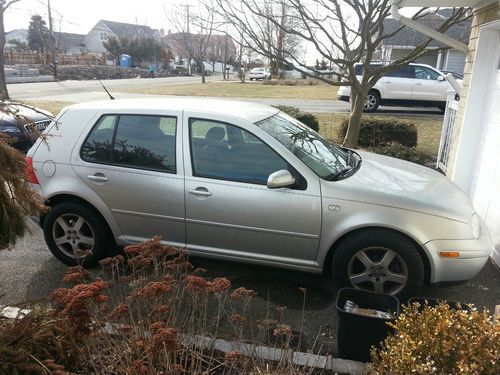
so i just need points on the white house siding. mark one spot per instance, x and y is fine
(93, 43)
(455, 61)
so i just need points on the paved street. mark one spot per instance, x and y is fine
(30, 272)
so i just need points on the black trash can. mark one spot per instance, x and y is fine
(356, 333)
(432, 302)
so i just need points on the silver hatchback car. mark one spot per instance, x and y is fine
(245, 182)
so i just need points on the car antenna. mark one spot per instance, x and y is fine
(105, 89)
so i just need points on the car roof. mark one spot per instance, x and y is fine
(249, 111)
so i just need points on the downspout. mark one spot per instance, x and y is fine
(440, 37)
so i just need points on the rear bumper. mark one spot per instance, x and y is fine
(343, 98)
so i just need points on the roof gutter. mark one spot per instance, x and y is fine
(440, 37)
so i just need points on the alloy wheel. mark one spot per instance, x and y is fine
(378, 269)
(370, 102)
(73, 235)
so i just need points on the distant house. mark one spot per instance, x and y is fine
(105, 29)
(69, 43)
(18, 34)
(401, 43)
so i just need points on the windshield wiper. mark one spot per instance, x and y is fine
(338, 174)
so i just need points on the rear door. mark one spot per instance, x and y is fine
(134, 164)
(230, 211)
(427, 85)
(398, 84)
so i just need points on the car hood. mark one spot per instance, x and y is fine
(387, 181)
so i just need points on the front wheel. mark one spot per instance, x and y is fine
(379, 261)
(75, 234)
(372, 101)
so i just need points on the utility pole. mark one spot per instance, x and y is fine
(188, 37)
(51, 42)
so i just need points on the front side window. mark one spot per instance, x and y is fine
(227, 152)
(421, 72)
(322, 157)
(136, 141)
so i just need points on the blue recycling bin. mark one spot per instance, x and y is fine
(125, 61)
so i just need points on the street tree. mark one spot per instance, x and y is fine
(38, 34)
(141, 49)
(4, 5)
(195, 46)
(342, 33)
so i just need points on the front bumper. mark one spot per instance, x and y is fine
(473, 255)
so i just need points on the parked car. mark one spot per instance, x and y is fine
(245, 182)
(18, 123)
(411, 85)
(259, 73)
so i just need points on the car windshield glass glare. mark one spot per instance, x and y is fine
(325, 159)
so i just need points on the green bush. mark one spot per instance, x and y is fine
(376, 132)
(399, 151)
(308, 119)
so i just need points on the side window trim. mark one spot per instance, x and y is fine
(301, 181)
(111, 161)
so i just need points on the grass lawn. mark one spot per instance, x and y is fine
(429, 129)
(52, 106)
(241, 90)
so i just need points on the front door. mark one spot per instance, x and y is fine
(427, 86)
(229, 209)
(131, 163)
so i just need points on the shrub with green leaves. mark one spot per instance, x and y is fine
(440, 340)
(376, 132)
(306, 118)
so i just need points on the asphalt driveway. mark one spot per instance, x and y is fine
(30, 272)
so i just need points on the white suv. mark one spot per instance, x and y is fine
(410, 85)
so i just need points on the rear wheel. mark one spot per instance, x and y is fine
(75, 234)
(372, 101)
(379, 261)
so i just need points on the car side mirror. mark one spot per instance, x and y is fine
(281, 178)
(440, 78)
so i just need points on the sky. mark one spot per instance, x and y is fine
(79, 16)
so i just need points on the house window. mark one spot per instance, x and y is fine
(103, 36)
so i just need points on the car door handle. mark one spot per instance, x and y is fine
(98, 177)
(388, 81)
(418, 84)
(201, 192)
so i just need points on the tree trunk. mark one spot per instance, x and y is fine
(355, 116)
(4, 93)
(202, 67)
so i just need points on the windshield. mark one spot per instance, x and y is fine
(325, 159)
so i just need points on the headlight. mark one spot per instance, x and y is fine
(476, 226)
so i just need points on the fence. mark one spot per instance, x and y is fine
(30, 58)
(447, 131)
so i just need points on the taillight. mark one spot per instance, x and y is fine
(30, 171)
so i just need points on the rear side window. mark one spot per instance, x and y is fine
(136, 141)
(402, 72)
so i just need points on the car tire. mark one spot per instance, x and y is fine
(380, 261)
(372, 101)
(71, 229)
(251, 79)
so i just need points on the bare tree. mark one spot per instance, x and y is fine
(342, 32)
(193, 45)
(4, 5)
